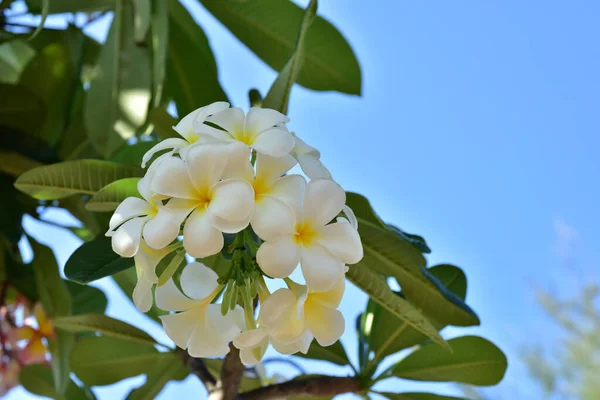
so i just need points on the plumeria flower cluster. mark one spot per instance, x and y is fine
(24, 333)
(222, 190)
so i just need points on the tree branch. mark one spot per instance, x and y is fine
(316, 386)
(231, 374)
(197, 367)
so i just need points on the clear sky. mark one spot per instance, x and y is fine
(478, 128)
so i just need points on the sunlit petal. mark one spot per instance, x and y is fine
(278, 259)
(168, 297)
(167, 144)
(326, 324)
(162, 229)
(320, 268)
(171, 179)
(272, 218)
(260, 119)
(323, 201)
(275, 142)
(126, 239)
(129, 208)
(200, 237)
(342, 240)
(142, 294)
(231, 119)
(198, 281)
(290, 189)
(313, 167)
(179, 327)
(232, 199)
(270, 168)
(330, 298)
(205, 165)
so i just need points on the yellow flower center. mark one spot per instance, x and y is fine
(244, 136)
(193, 138)
(260, 188)
(204, 199)
(305, 234)
(152, 213)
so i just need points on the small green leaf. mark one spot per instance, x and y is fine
(473, 360)
(377, 289)
(279, 95)
(417, 396)
(71, 6)
(192, 75)
(334, 353)
(117, 102)
(52, 182)
(163, 371)
(94, 260)
(105, 360)
(105, 325)
(86, 299)
(110, 196)
(270, 28)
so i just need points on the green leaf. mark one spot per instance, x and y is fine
(22, 277)
(126, 281)
(60, 347)
(14, 56)
(334, 353)
(71, 6)
(37, 379)
(390, 255)
(377, 289)
(389, 335)
(94, 260)
(417, 396)
(110, 196)
(117, 101)
(45, 9)
(86, 299)
(106, 360)
(132, 154)
(51, 182)
(141, 19)
(473, 360)
(270, 27)
(279, 95)
(105, 325)
(192, 75)
(163, 123)
(52, 290)
(20, 108)
(163, 371)
(51, 77)
(417, 241)
(160, 37)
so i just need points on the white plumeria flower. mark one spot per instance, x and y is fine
(146, 261)
(146, 217)
(322, 250)
(261, 130)
(199, 327)
(309, 159)
(185, 129)
(253, 344)
(275, 196)
(196, 187)
(291, 314)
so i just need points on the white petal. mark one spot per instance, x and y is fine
(200, 238)
(351, 216)
(212, 335)
(146, 260)
(301, 147)
(278, 259)
(323, 201)
(313, 167)
(230, 226)
(249, 356)
(342, 240)
(326, 324)
(198, 281)
(201, 114)
(229, 325)
(143, 187)
(270, 168)
(167, 144)
(232, 199)
(275, 142)
(171, 179)
(231, 119)
(272, 218)
(205, 165)
(181, 208)
(303, 344)
(260, 119)
(162, 229)
(330, 298)
(275, 310)
(238, 162)
(126, 239)
(169, 298)
(142, 294)
(290, 189)
(129, 208)
(320, 268)
(179, 327)
(250, 338)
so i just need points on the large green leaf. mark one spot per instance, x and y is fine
(37, 379)
(106, 360)
(473, 360)
(105, 325)
(110, 196)
(417, 396)
(160, 37)
(94, 260)
(60, 347)
(192, 75)
(60, 180)
(142, 11)
(51, 77)
(389, 254)
(118, 98)
(270, 28)
(377, 289)
(132, 154)
(279, 95)
(20, 108)
(86, 299)
(71, 6)
(389, 335)
(334, 353)
(14, 56)
(163, 123)
(163, 371)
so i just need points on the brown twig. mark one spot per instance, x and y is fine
(316, 386)
(197, 367)
(231, 374)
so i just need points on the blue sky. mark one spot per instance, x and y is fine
(478, 129)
